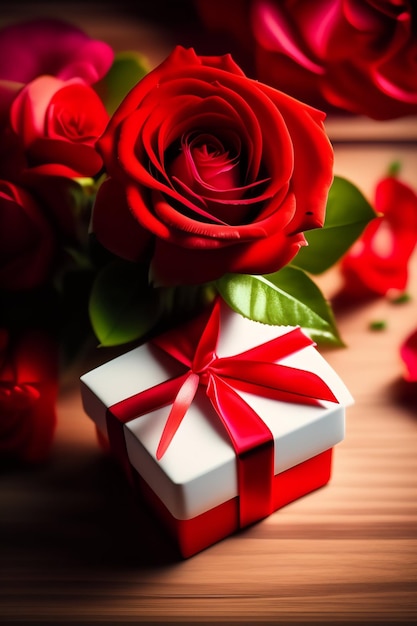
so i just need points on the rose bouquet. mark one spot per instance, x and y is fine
(131, 198)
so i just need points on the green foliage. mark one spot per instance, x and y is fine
(347, 214)
(122, 307)
(288, 297)
(125, 307)
(128, 69)
(394, 169)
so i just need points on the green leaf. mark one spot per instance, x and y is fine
(347, 214)
(127, 70)
(183, 302)
(122, 306)
(288, 297)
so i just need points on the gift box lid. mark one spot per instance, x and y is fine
(198, 470)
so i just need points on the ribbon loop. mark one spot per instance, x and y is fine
(205, 352)
(277, 381)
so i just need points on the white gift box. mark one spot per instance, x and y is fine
(194, 487)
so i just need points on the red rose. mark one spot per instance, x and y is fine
(357, 56)
(27, 241)
(408, 353)
(48, 46)
(58, 123)
(219, 172)
(378, 262)
(28, 392)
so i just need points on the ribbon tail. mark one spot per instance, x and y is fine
(254, 446)
(180, 406)
(130, 408)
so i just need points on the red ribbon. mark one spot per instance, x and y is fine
(254, 371)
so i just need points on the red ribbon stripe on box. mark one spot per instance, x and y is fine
(254, 371)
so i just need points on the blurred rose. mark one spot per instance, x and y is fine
(222, 172)
(378, 262)
(408, 353)
(28, 393)
(27, 242)
(58, 123)
(49, 46)
(360, 57)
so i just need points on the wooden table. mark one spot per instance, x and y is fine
(76, 548)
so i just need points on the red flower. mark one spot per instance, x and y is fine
(28, 392)
(219, 172)
(27, 240)
(378, 262)
(58, 123)
(48, 47)
(357, 56)
(408, 353)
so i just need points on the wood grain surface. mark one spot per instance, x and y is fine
(76, 548)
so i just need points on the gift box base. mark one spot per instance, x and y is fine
(196, 534)
(247, 446)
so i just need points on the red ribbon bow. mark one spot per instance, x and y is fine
(254, 371)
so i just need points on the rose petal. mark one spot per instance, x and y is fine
(378, 261)
(408, 353)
